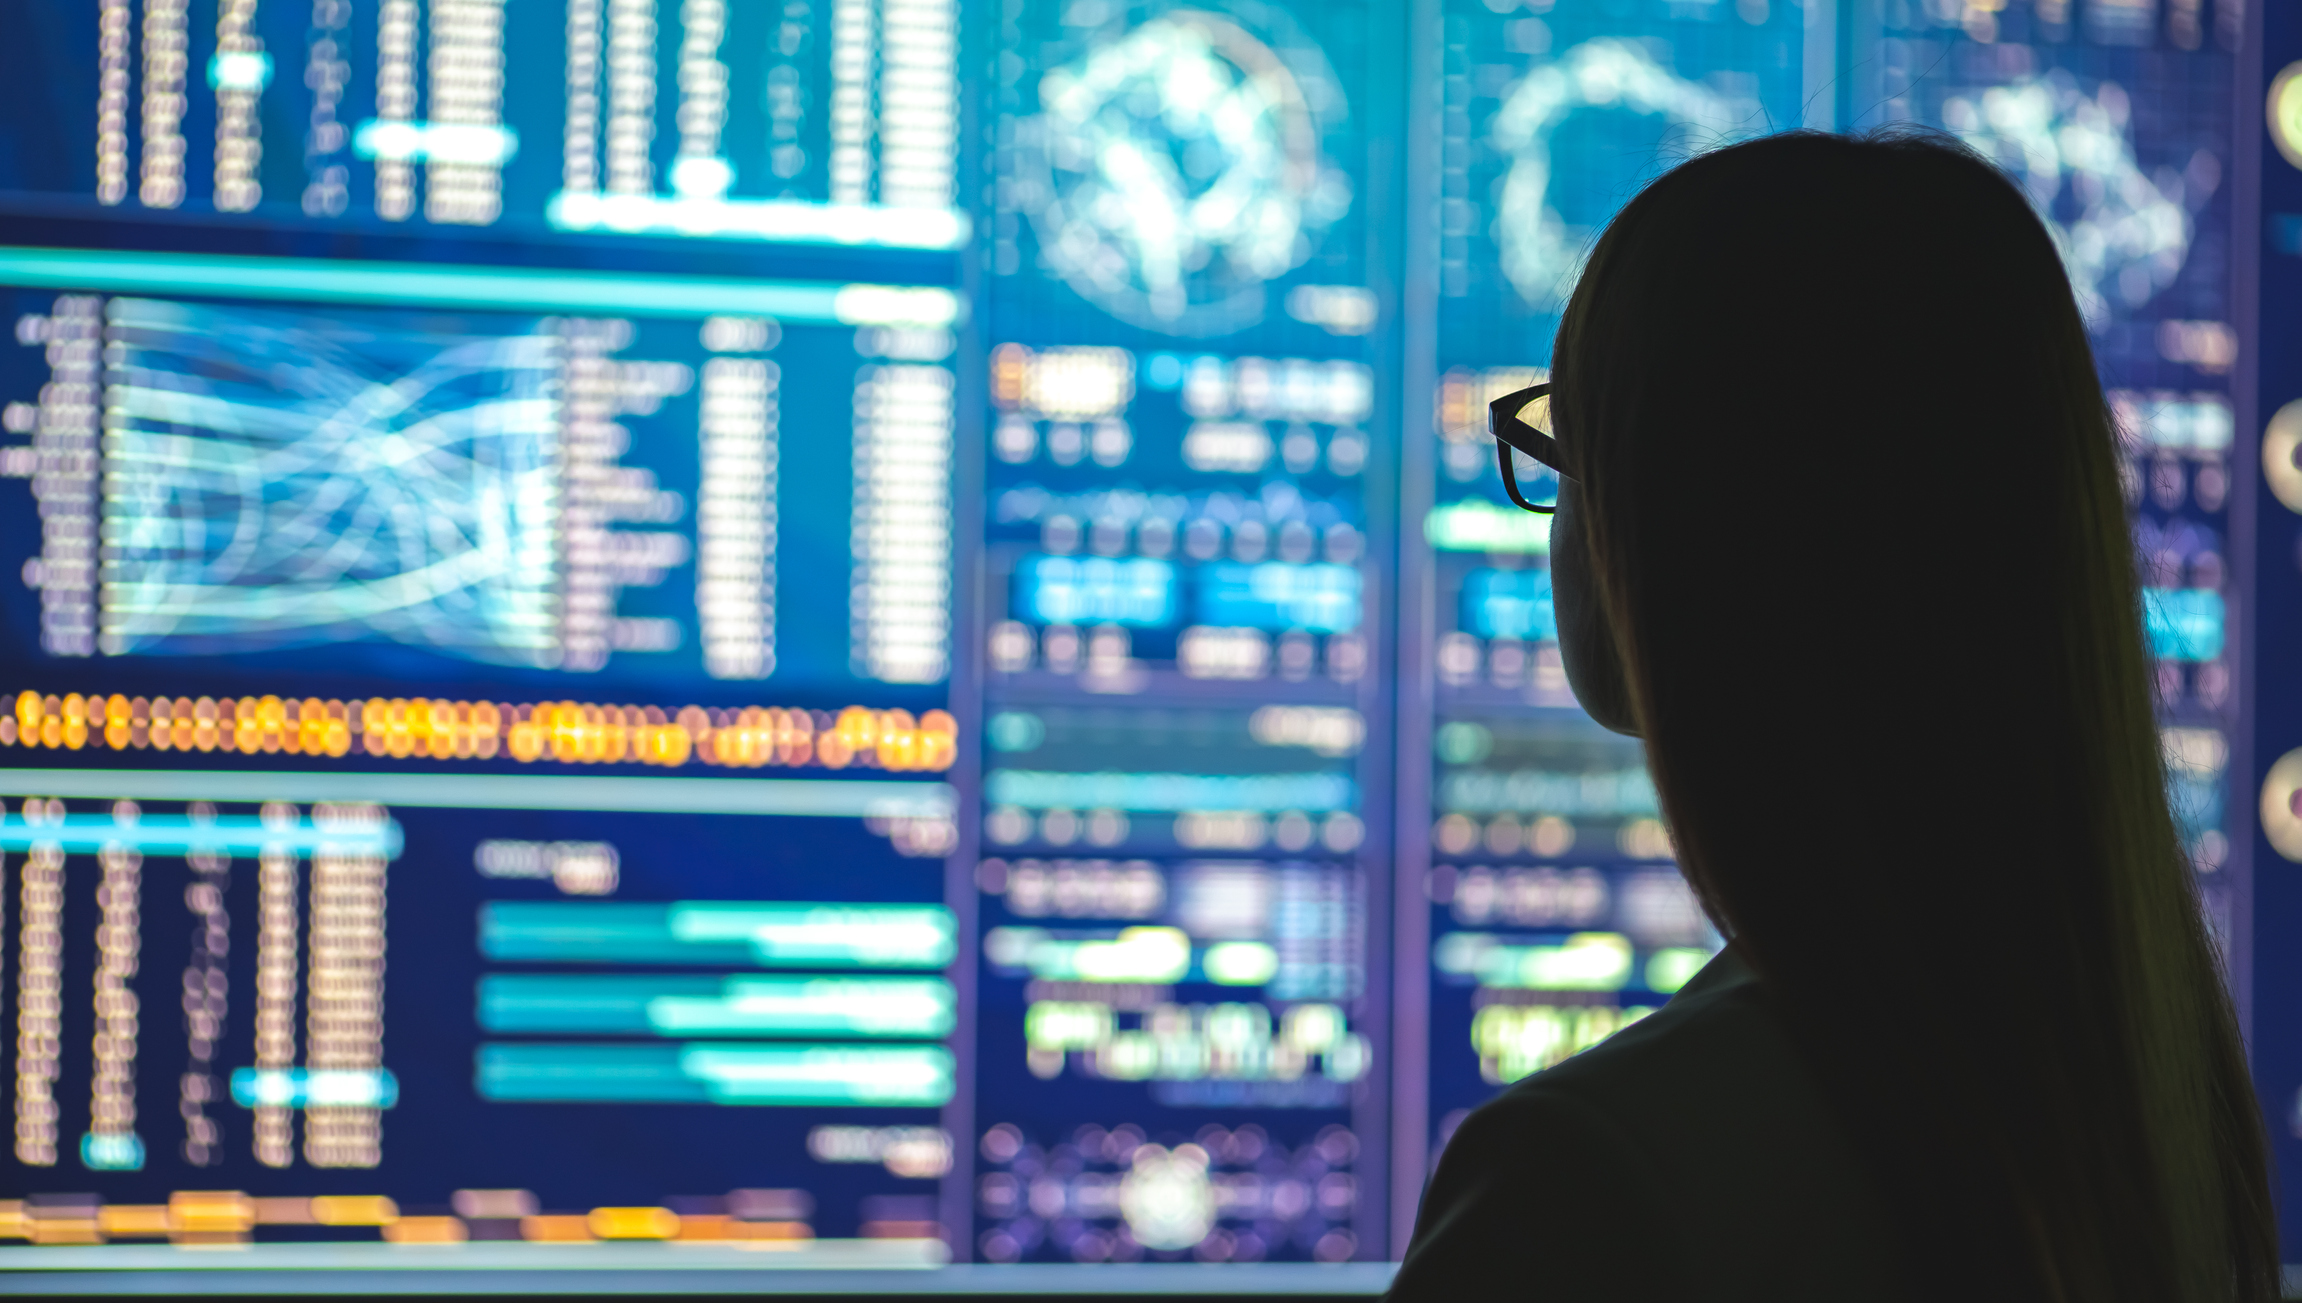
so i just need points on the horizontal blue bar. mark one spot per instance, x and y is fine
(176, 834)
(1137, 591)
(111, 1152)
(1321, 597)
(2184, 624)
(1169, 793)
(655, 1004)
(697, 1072)
(729, 934)
(1621, 793)
(822, 797)
(449, 285)
(1509, 604)
(309, 1087)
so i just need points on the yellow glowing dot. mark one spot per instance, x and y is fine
(634, 1223)
(2284, 110)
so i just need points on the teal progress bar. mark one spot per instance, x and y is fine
(176, 834)
(677, 1004)
(721, 933)
(827, 797)
(449, 285)
(707, 1072)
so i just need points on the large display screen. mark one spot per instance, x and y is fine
(468, 741)
(883, 632)
(1184, 597)
(824, 123)
(1554, 915)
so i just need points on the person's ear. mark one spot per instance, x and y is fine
(1587, 643)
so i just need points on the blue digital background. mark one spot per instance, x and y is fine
(1445, 164)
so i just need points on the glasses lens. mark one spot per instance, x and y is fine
(1538, 483)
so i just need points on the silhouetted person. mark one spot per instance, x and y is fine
(1843, 541)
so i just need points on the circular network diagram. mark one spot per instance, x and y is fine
(1540, 253)
(2123, 238)
(1177, 167)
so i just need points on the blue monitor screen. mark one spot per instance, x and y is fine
(2117, 122)
(406, 656)
(822, 124)
(883, 633)
(1184, 381)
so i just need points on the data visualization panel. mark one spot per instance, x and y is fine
(615, 1007)
(1549, 913)
(2117, 119)
(1554, 114)
(223, 487)
(366, 608)
(1556, 915)
(819, 121)
(1192, 172)
(1185, 593)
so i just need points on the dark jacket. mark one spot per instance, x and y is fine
(1690, 1156)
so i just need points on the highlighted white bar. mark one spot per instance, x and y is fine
(784, 220)
(882, 934)
(895, 305)
(436, 142)
(918, 1075)
(245, 70)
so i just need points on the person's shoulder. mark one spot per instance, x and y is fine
(1717, 1041)
(1701, 1122)
(1538, 1192)
(1713, 1081)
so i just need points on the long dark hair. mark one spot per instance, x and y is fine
(1854, 514)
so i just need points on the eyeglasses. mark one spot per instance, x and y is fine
(1511, 432)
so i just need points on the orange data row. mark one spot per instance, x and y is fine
(612, 1224)
(749, 737)
(230, 1217)
(189, 1217)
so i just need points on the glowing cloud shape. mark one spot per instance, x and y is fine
(1541, 254)
(1175, 170)
(2122, 237)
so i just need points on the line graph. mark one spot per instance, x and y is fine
(275, 480)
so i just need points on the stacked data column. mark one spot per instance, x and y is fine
(321, 937)
(1183, 801)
